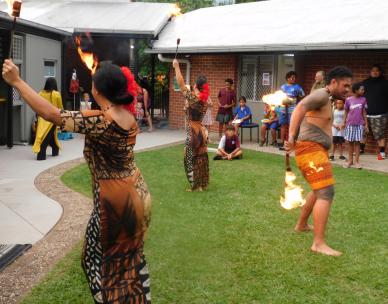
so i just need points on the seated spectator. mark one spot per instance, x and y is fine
(86, 104)
(242, 114)
(270, 122)
(229, 146)
(139, 113)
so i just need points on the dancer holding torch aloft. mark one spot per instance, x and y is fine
(312, 117)
(113, 257)
(196, 160)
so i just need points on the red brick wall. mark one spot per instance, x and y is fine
(359, 62)
(216, 68)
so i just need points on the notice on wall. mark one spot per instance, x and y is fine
(266, 79)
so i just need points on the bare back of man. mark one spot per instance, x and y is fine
(313, 118)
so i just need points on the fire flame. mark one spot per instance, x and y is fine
(14, 7)
(275, 99)
(9, 4)
(176, 11)
(292, 193)
(89, 59)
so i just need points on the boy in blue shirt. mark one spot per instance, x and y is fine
(295, 92)
(242, 113)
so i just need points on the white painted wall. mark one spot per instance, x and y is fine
(37, 49)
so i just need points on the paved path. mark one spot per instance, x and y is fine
(368, 161)
(26, 215)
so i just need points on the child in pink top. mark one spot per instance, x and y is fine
(356, 123)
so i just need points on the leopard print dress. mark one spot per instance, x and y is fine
(113, 258)
(196, 161)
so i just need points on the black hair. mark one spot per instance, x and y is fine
(143, 82)
(356, 86)
(290, 74)
(201, 80)
(243, 98)
(230, 128)
(50, 85)
(110, 81)
(229, 80)
(379, 67)
(338, 72)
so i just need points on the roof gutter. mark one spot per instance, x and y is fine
(38, 26)
(273, 48)
(187, 62)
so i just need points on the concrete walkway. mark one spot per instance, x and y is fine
(26, 215)
(367, 161)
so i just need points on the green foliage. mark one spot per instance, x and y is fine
(246, 1)
(186, 5)
(234, 244)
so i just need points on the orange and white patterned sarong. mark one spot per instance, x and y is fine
(313, 161)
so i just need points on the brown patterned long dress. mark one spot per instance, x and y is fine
(113, 258)
(196, 160)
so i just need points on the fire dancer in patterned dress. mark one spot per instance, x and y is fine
(196, 160)
(313, 115)
(113, 257)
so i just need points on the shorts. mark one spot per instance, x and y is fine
(354, 133)
(224, 117)
(283, 119)
(313, 161)
(338, 140)
(273, 125)
(378, 125)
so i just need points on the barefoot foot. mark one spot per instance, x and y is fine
(305, 228)
(324, 249)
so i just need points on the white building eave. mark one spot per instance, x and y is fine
(273, 48)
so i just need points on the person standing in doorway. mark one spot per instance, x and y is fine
(294, 93)
(226, 103)
(376, 94)
(46, 131)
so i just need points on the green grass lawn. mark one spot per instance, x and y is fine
(235, 244)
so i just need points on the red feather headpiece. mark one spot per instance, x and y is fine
(132, 88)
(204, 93)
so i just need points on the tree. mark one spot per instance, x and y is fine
(246, 1)
(186, 5)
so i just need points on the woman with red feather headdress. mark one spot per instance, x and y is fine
(113, 257)
(196, 160)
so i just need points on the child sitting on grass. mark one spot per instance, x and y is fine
(338, 129)
(270, 122)
(229, 146)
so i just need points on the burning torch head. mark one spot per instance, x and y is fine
(16, 8)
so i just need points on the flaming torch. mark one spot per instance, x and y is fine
(89, 59)
(177, 12)
(292, 193)
(14, 8)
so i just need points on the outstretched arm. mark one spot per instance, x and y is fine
(178, 75)
(38, 104)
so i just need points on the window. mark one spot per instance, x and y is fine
(49, 68)
(256, 76)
